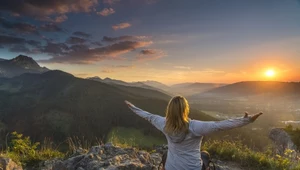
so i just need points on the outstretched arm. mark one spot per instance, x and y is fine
(156, 120)
(201, 128)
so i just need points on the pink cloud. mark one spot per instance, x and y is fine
(106, 12)
(121, 26)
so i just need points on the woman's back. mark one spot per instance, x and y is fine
(184, 152)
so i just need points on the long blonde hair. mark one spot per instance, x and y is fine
(177, 116)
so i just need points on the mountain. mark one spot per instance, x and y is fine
(248, 89)
(123, 83)
(188, 89)
(56, 104)
(156, 84)
(19, 65)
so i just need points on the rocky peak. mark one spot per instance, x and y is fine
(25, 62)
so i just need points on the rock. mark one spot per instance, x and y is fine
(8, 164)
(282, 140)
(108, 157)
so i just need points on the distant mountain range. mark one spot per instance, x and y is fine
(130, 84)
(252, 89)
(185, 89)
(188, 89)
(19, 65)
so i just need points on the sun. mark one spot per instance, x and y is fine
(270, 73)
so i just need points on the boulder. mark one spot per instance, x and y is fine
(282, 140)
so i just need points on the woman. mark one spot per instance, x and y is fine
(185, 135)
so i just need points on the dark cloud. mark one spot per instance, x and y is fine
(45, 8)
(57, 19)
(50, 28)
(97, 43)
(84, 55)
(34, 43)
(82, 34)
(79, 47)
(121, 38)
(75, 40)
(150, 54)
(9, 40)
(55, 49)
(16, 42)
(20, 27)
(20, 49)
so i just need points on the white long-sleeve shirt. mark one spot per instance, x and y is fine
(184, 149)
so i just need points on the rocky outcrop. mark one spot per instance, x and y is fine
(109, 157)
(282, 140)
(8, 164)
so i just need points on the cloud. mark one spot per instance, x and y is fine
(150, 54)
(20, 48)
(121, 26)
(33, 43)
(55, 49)
(97, 43)
(42, 9)
(57, 19)
(16, 43)
(79, 47)
(82, 34)
(122, 38)
(212, 71)
(183, 67)
(110, 2)
(20, 27)
(107, 71)
(123, 66)
(50, 28)
(61, 53)
(75, 40)
(9, 40)
(106, 12)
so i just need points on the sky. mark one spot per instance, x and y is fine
(170, 41)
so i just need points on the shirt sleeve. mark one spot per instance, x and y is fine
(200, 128)
(156, 120)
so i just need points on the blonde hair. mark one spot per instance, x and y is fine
(177, 113)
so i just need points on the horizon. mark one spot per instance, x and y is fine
(179, 42)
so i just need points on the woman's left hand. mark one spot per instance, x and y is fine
(253, 117)
(128, 103)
